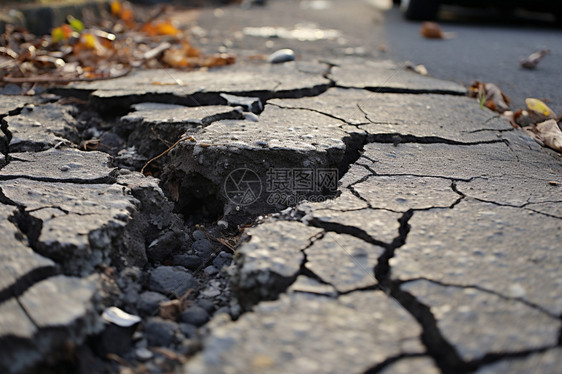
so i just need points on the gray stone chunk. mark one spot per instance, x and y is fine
(78, 225)
(148, 303)
(386, 76)
(203, 87)
(477, 323)
(510, 251)
(171, 280)
(57, 315)
(401, 193)
(270, 261)
(418, 365)
(20, 267)
(222, 259)
(203, 248)
(364, 328)
(194, 315)
(345, 262)
(160, 332)
(548, 362)
(190, 262)
(64, 165)
(41, 127)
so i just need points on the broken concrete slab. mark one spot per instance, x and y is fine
(355, 261)
(79, 226)
(512, 254)
(270, 260)
(364, 328)
(402, 193)
(51, 319)
(154, 127)
(19, 265)
(379, 227)
(60, 165)
(439, 160)
(40, 127)
(385, 76)
(256, 167)
(170, 114)
(477, 323)
(196, 88)
(548, 361)
(380, 115)
(532, 191)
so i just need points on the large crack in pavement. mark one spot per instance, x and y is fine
(343, 257)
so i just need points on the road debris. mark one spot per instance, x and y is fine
(533, 59)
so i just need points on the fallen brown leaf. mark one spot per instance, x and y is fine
(547, 133)
(490, 96)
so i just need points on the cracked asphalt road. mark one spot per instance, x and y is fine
(436, 251)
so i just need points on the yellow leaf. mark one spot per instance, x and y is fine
(89, 41)
(57, 34)
(538, 106)
(116, 7)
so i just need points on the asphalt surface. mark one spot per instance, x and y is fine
(487, 47)
(390, 224)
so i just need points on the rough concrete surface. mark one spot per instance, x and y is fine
(334, 214)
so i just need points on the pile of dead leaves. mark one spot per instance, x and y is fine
(102, 47)
(537, 120)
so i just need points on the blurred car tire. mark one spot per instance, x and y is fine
(420, 10)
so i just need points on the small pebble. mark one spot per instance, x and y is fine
(211, 270)
(199, 235)
(160, 332)
(223, 259)
(210, 292)
(194, 315)
(282, 55)
(190, 262)
(143, 354)
(202, 247)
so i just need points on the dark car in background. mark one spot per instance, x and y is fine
(427, 9)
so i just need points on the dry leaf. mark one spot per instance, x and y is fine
(533, 60)
(431, 30)
(547, 133)
(490, 96)
(171, 309)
